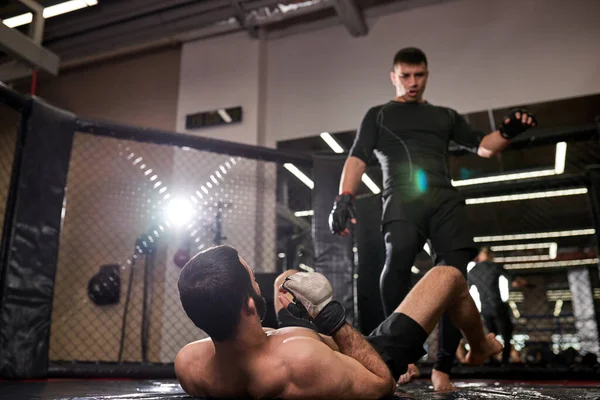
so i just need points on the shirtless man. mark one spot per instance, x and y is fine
(242, 359)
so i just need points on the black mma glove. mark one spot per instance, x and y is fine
(515, 126)
(343, 209)
(313, 300)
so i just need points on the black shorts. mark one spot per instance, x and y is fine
(398, 339)
(439, 214)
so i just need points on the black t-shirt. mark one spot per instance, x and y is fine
(485, 275)
(411, 141)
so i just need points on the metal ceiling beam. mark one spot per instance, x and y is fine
(126, 12)
(34, 6)
(167, 26)
(24, 49)
(240, 16)
(36, 28)
(352, 17)
(265, 16)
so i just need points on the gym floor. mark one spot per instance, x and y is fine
(169, 389)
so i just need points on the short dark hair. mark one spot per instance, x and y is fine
(486, 250)
(213, 287)
(410, 56)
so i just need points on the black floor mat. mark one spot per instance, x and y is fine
(170, 390)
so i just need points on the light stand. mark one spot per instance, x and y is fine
(145, 244)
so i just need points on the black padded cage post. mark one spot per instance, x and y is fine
(32, 240)
(20, 105)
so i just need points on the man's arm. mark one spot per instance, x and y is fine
(354, 167)
(493, 143)
(361, 151)
(357, 371)
(317, 372)
(353, 170)
(353, 344)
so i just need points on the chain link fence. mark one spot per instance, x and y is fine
(542, 290)
(133, 214)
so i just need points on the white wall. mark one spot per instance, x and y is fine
(219, 73)
(482, 54)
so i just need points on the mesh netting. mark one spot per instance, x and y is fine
(170, 202)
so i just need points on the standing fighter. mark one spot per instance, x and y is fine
(410, 138)
(485, 276)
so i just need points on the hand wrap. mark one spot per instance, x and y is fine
(515, 126)
(343, 209)
(313, 300)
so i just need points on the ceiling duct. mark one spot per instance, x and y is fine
(282, 11)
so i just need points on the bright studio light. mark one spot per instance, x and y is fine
(179, 211)
(49, 12)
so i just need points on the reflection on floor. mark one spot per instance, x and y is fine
(170, 390)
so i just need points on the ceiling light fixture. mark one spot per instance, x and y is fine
(49, 12)
(299, 174)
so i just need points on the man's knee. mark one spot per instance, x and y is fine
(452, 276)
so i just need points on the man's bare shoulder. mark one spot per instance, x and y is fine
(190, 363)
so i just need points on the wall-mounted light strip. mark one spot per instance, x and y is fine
(49, 12)
(554, 264)
(514, 309)
(552, 251)
(539, 235)
(527, 196)
(503, 178)
(225, 115)
(529, 246)
(299, 174)
(560, 157)
(304, 213)
(522, 258)
(558, 307)
(559, 168)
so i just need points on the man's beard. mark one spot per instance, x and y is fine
(261, 305)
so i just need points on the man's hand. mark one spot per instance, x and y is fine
(518, 121)
(343, 209)
(313, 300)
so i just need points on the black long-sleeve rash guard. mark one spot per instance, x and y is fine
(411, 141)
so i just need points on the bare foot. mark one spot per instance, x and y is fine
(409, 375)
(441, 381)
(491, 348)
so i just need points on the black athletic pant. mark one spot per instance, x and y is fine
(499, 322)
(403, 241)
